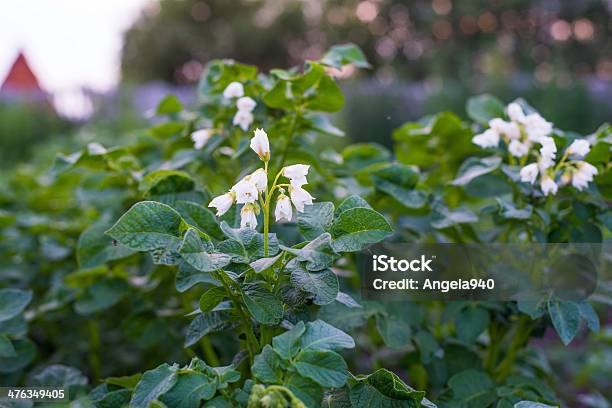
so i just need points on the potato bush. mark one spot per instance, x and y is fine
(120, 284)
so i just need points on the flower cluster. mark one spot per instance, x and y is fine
(528, 136)
(245, 105)
(252, 190)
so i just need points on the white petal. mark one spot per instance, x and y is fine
(246, 104)
(233, 90)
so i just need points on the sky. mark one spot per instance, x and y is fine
(69, 43)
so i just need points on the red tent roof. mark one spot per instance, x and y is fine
(21, 78)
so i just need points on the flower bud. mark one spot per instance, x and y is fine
(261, 145)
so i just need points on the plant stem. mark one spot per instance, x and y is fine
(251, 340)
(296, 115)
(521, 335)
(209, 351)
(266, 226)
(94, 349)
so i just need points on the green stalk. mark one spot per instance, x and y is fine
(94, 349)
(251, 340)
(521, 335)
(209, 351)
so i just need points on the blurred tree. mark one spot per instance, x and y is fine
(467, 40)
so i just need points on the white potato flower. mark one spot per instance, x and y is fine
(579, 148)
(243, 119)
(248, 216)
(260, 179)
(537, 127)
(246, 103)
(488, 138)
(300, 197)
(518, 149)
(548, 151)
(515, 112)
(223, 203)
(529, 173)
(296, 173)
(548, 185)
(583, 175)
(201, 137)
(246, 191)
(233, 90)
(283, 209)
(261, 145)
(509, 129)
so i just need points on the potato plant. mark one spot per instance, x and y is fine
(123, 286)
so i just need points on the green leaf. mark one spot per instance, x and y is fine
(308, 391)
(322, 124)
(323, 285)
(359, 156)
(318, 253)
(101, 295)
(352, 201)
(357, 227)
(148, 225)
(328, 96)
(565, 316)
(169, 105)
(13, 302)
(287, 344)
(24, 354)
(388, 389)
(344, 54)
(589, 314)
(189, 391)
(316, 219)
(509, 211)
(399, 180)
(394, 329)
(263, 264)
(129, 381)
(161, 182)
(211, 298)
(267, 366)
(322, 336)
(326, 368)
(475, 167)
(347, 300)
(188, 276)
(485, 107)
(95, 248)
(470, 322)
(262, 304)
(199, 217)
(427, 344)
(6, 347)
(197, 252)
(246, 244)
(153, 384)
(206, 323)
(59, 376)
(472, 389)
(442, 217)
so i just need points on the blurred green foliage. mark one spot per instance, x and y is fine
(24, 125)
